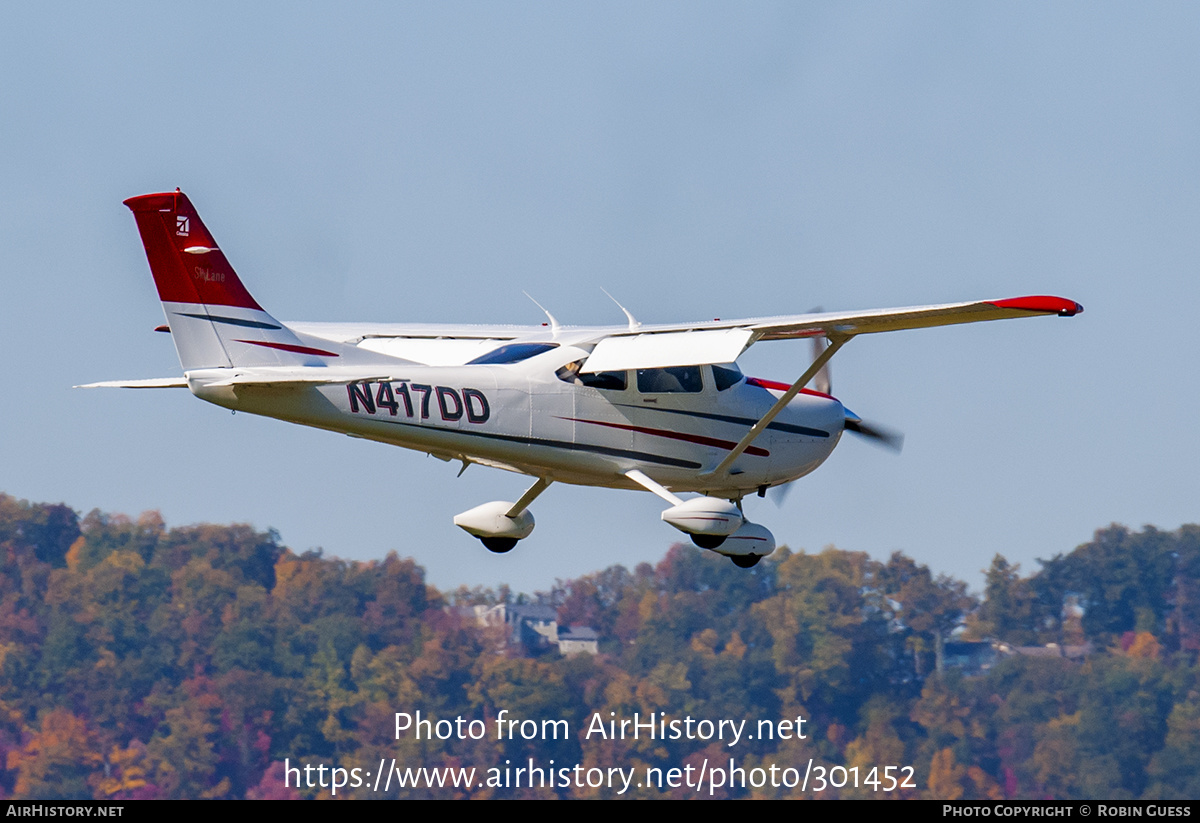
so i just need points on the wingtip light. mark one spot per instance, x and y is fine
(1042, 303)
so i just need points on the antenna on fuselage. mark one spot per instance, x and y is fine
(634, 325)
(553, 322)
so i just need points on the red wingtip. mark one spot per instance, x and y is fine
(1041, 303)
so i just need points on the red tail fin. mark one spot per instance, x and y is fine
(184, 259)
(214, 321)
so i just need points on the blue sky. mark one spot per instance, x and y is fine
(429, 162)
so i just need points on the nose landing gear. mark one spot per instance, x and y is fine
(745, 561)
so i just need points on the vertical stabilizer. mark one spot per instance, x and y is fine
(213, 319)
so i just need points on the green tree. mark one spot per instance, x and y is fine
(1007, 611)
(929, 609)
(1123, 580)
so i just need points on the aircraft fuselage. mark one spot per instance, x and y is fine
(524, 417)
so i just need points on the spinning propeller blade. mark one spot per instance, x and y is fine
(881, 435)
(821, 381)
(885, 437)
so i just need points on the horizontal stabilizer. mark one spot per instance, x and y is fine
(152, 383)
(266, 377)
(282, 377)
(267, 381)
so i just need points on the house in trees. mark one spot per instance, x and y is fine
(578, 640)
(535, 630)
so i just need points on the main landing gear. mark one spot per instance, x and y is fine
(499, 525)
(499, 545)
(712, 523)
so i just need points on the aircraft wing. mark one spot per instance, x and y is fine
(676, 344)
(914, 317)
(723, 341)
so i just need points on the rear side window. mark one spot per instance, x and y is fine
(512, 353)
(673, 380)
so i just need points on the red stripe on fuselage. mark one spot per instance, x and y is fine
(698, 439)
(291, 348)
(775, 385)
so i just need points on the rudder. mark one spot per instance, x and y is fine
(214, 320)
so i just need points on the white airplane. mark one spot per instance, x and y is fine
(658, 407)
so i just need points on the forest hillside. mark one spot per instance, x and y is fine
(141, 661)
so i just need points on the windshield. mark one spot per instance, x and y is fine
(512, 353)
(726, 376)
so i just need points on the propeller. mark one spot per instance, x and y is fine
(889, 439)
(780, 493)
(821, 381)
(882, 436)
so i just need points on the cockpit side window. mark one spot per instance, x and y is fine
(609, 380)
(726, 376)
(671, 380)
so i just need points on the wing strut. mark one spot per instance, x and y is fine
(649, 485)
(528, 497)
(835, 343)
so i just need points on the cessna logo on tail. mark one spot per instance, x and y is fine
(181, 225)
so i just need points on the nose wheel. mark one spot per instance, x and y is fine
(708, 541)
